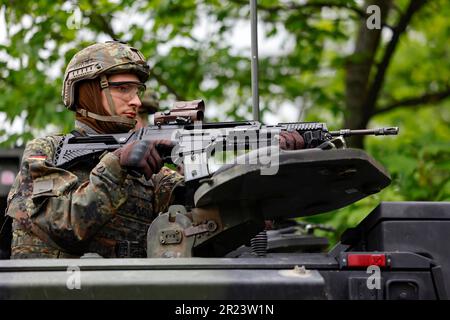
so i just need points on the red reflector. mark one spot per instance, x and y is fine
(365, 260)
(7, 178)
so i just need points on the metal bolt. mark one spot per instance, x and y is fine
(300, 270)
(212, 226)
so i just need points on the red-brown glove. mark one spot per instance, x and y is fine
(291, 140)
(142, 156)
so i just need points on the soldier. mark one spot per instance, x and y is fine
(150, 105)
(96, 207)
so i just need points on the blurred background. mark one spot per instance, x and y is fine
(333, 61)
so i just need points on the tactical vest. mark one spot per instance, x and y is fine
(126, 234)
(123, 236)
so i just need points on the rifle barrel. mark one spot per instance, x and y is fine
(363, 132)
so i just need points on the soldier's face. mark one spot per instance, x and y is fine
(126, 99)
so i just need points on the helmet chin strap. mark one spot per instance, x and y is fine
(126, 122)
(105, 87)
(117, 119)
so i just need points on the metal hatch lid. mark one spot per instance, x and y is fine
(398, 211)
(307, 182)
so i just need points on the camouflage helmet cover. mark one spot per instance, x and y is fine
(150, 103)
(110, 57)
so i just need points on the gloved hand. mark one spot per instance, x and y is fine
(142, 156)
(291, 140)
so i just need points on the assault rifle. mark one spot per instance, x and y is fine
(195, 142)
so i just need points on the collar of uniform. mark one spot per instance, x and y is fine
(84, 127)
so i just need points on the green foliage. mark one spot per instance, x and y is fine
(208, 67)
(191, 49)
(418, 161)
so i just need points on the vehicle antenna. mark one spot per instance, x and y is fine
(254, 68)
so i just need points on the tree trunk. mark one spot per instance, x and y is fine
(358, 69)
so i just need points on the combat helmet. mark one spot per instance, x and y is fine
(101, 60)
(150, 103)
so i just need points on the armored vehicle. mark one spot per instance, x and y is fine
(216, 245)
(9, 167)
(219, 248)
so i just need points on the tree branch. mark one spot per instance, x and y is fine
(164, 83)
(378, 80)
(104, 24)
(416, 101)
(296, 6)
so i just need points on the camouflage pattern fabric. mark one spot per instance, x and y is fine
(60, 213)
(150, 103)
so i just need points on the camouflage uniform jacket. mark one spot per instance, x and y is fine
(60, 213)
